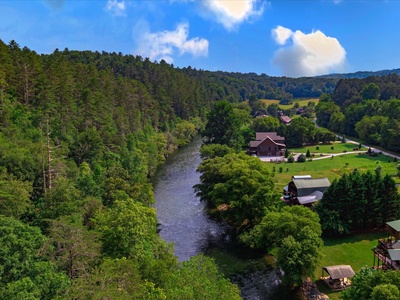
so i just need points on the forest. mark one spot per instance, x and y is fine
(365, 108)
(81, 135)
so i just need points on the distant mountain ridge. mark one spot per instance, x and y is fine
(362, 74)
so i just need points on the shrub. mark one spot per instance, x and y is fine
(332, 148)
(301, 158)
(290, 159)
(317, 147)
(308, 154)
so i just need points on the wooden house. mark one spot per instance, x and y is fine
(268, 144)
(387, 252)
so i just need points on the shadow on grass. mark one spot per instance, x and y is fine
(370, 235)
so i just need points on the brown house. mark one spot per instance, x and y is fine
(268, 144)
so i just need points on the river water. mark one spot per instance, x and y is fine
(184, 222)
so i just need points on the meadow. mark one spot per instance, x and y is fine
(302, 102)
(331, 167)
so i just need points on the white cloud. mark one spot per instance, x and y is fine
(309, 54)
(281, 34)
(116, 8)
(163, 44)
(230, 13)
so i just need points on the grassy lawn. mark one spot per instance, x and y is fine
(332, 167)
(354, 250)
(338, 147)
(302, 102)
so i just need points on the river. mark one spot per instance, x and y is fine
(184, 222)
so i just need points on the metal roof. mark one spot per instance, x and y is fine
(301, 176)
(394, 254)
(314, 196)
(303, 183)
(394, 224)
(339, 271)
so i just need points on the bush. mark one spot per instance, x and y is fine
(332, 148)
(301, 158)
(290, 159)
(317, 147)
(308, 154)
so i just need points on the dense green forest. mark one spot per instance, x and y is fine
(366, 108)
(81, 135)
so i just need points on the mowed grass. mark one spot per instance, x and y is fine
(354, 250)
(338, 147)
(302, 102)
(332, 167)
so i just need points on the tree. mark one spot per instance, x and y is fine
(199, 278)
(223, 126)
(24, 273)
(299, 132)
(129, 229)
(385, 292)
(115, 279)
(370, 91)
(240, 185)
(265, 124)
(295, 231)
(301, 158)
(214, 150)
(371, 284)
(14, 196)
(273, 109)
(72, 247)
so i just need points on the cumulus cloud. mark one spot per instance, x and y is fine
(164, 44)
(309, 54)
(116, 8)
(281, 34)
(230, 13)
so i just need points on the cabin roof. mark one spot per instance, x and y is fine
(304, 183)
(394, 224)
(313, 197)
(339, 271)
(260, 136)
(394, 254)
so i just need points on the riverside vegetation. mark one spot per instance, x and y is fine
(81, 134)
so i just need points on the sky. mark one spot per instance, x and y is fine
(292, 38)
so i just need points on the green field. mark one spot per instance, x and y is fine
(355, 250)
(302, 102)
(338, 147)
(332, 167)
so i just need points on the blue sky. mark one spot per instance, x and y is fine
(279, 38)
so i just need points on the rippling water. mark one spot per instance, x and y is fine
(181, 215)
(184, 222)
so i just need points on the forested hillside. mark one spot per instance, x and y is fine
(367, 108)
(80, 135)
